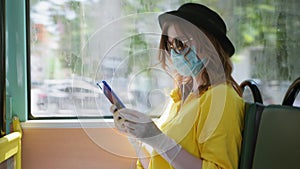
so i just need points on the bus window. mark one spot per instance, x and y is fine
(75, 44)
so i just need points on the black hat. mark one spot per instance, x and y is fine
(204, 18)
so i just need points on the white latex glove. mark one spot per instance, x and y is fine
(119, 121)
(141, 126)
(134, 123)
(119, 124)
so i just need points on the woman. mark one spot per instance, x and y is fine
(202, 126)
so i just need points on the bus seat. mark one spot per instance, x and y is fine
(278, 140)
(253, 112)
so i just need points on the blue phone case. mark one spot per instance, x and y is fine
(110, 94)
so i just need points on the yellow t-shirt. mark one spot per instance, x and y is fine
(208, 127)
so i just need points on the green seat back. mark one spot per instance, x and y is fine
(271, 135)
(278, 139)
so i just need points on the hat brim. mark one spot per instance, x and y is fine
(201, 23)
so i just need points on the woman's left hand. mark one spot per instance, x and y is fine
(137, 124)
(141, 126)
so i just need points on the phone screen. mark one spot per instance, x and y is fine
(110, 94)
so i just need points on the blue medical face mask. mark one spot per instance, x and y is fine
(190, 65)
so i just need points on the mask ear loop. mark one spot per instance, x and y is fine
(184, 95)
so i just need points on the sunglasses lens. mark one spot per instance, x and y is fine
(176, 44)
(179, 46)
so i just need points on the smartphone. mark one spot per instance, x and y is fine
(110, 94)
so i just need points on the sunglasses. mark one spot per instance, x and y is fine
(178, 45)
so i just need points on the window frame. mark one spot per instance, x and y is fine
(16, 60)
(3, 67)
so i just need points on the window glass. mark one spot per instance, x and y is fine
(76, 43)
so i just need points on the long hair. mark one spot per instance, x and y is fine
(219, 66)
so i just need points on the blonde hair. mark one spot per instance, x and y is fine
(219, 66)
